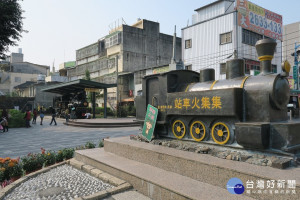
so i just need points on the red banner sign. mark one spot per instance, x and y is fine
(259, 20)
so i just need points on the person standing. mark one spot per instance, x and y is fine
(4, 123)
(42, 115)
(67, 114)
(34, 116)
(27, 118)
(53, 117)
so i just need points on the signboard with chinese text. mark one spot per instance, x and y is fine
(259, 20)
(207, 103)
(291, 82)
(91, 89)
(150, 121)
(161, 70)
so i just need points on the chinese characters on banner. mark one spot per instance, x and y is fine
(150, 121)
(271, 187)
(259, 20)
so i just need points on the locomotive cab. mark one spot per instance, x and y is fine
(156, 87)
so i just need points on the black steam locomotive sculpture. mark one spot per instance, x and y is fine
(250, 111)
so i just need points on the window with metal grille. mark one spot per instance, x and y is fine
(222, 68)
(250, 38)
(225, 38)
(188, 43)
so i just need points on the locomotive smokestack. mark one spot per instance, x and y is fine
(207, 75)
(235, 68)
(265, 50)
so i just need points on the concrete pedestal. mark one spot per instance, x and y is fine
(166, 173)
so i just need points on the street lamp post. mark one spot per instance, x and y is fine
(296, 64)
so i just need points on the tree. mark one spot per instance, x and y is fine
(87, 75)
(11, 25)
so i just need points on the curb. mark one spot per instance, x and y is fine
(120, 185)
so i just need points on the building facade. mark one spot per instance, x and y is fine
(291, 39)
(33, 89)
(124, 56)
(226, 28)
(15, 71)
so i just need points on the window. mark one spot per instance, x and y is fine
(18, 79)
(188, 43)
(250, 38)
(225, 38)
(222, 68)
(113, 40)
(274, 69)
(189, 67)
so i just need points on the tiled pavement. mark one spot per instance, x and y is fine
(21, 141)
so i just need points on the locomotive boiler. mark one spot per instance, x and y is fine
(246, 111)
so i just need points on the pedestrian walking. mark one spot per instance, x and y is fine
(67, 114)
(42, 115)
(27, 118)
(53, 117)
(34, 116)
(4, 124)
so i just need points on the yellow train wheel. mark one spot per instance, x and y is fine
(198, 131)
(178, 129)
(220, 133)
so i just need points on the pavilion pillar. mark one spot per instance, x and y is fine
(94, 104)
(105, 102)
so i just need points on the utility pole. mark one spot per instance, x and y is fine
(117, 93)
(296, 66)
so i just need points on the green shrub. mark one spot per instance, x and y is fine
(101, 144)
(16, 170)
(80, 147)
(59, 156)
(100, 110)
(126, 110)
(90, 145)
(68, 153)
(1, 176)
(32, 162)
(16, 119)
(49, 158)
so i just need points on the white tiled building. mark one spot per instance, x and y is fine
(215, 34)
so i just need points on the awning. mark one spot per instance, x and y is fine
(75, 86)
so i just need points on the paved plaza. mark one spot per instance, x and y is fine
(21, 141)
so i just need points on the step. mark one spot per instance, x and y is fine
(101, 125)
(151, 181)
(200, 167)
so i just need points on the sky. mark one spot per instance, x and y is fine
(57, 28)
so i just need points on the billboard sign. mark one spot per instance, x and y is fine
(150, 121)
(291, 82)
(257, 19)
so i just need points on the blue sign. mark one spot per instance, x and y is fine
(235, 186)
(295, 74)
